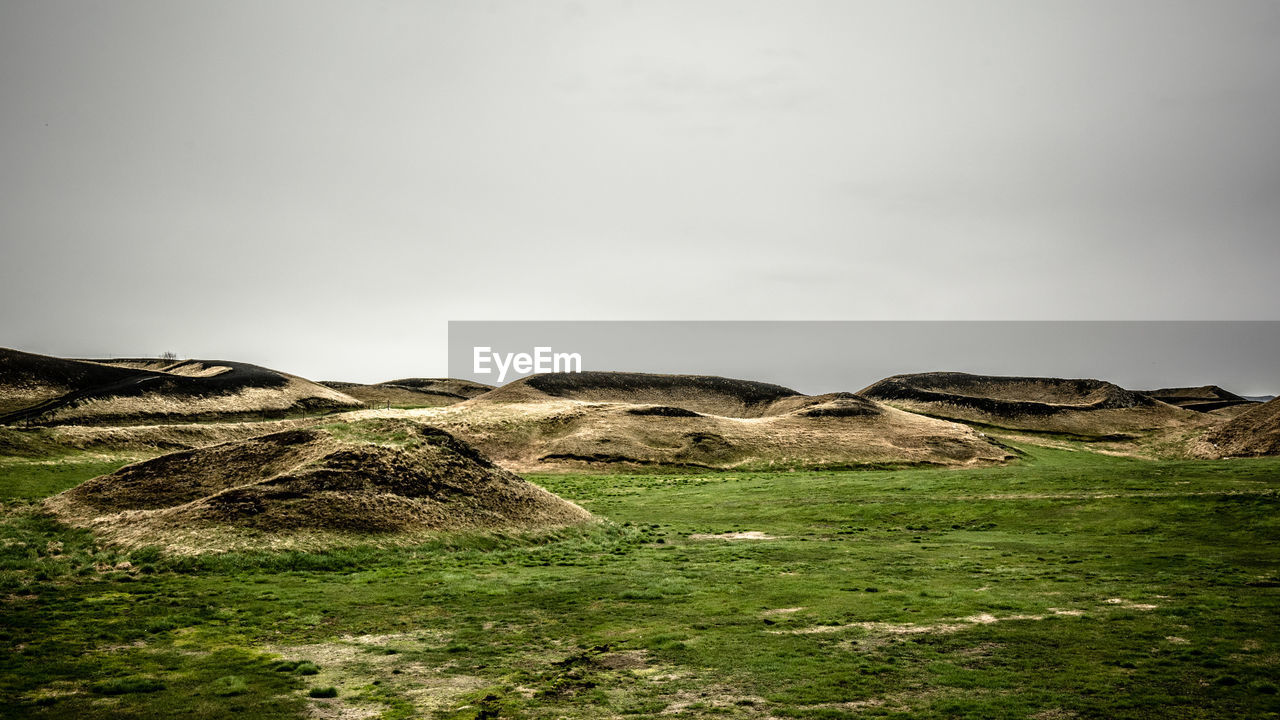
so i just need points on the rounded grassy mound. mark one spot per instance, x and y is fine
(40, 389)
(1253, 432)
(1008, 395)
(1205, 398)
(411, 392)
(336, 484)
(706, 394)
(1071, 405)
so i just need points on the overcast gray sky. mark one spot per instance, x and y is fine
(320, 186)
(832, 356)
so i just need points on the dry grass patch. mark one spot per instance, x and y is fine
(887, 629)
(352, 663)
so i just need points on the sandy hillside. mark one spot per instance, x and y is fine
(624, 421)
(47, 390)
(1076, 406)
(1253, 432)
(373, 480)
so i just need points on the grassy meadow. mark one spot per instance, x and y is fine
(1069, 584)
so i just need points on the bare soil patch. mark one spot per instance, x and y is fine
(748, 535)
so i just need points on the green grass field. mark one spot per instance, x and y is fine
(1070, 584)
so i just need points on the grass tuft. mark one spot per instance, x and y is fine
(323, 692)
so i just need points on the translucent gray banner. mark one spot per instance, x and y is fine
(818, 357)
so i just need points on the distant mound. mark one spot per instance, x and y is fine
(411, 392)
(1205, 398)
(1253, 432)
(705, 394)
(625, 421)
(46, 390)
(1077, 406)
(445, 386)
(27, 379)
(188, 368)
(336, 483)
(840, 405)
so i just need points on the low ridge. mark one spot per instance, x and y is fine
(411, 392)
(707, 394)
(1205, 398)
(1078, 406)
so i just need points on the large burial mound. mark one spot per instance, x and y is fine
(411, 392)
(369, 481)
(1253, 432)
(1090, 408)
(706, 394)
(624, 421)
(46, 390)
(1205, 398)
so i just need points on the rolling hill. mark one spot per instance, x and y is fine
(1205, 398)
(1088, 408)
(411, 392)
(1253, 432)
(630, 420)
(368, 481)
(39, 389)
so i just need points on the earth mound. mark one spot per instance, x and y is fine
(189, 368)
(145, 439)
(368, 480)
(27, 379)
(411, 392)
(40, 389)
(840, 405)
(625, 421)
(1205, 398)
(706, 394)
(1078, 406)
(1253, 432)
(445, 386)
